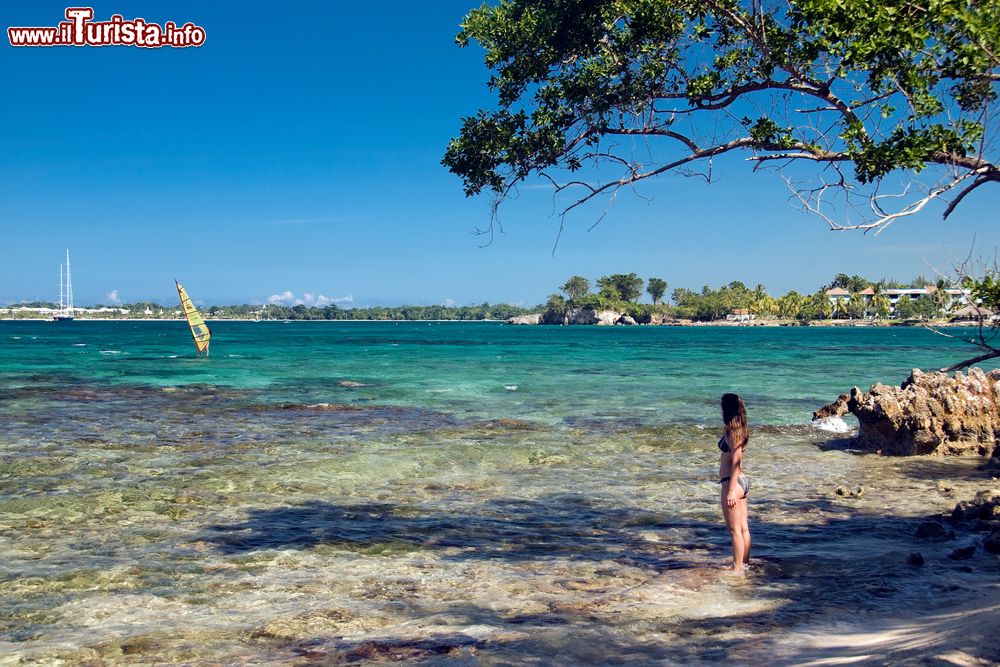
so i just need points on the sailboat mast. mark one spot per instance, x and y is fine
(69, 287)
(62, 299)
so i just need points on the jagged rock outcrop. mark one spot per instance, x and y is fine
(930, 413)
(588, 316)
(836, 409)
(576, 316)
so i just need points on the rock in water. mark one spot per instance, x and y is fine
(963, 553)
(930, 529)
(836, 409)
(534, 318)
(930, 413)
(992, 543)
(589, 316)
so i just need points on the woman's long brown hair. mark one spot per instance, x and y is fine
(734, 416)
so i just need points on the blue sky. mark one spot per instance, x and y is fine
(298, 151)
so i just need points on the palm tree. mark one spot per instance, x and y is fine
(790, 305)
(824, 307)
(880, 305)
(761, 303)
(838, 307)
(856, 306)
(942, 300)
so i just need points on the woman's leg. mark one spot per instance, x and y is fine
(734, 524)
(745, 528)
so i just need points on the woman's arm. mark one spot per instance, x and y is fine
(735, 470)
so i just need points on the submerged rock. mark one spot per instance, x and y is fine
(931, 530)
(963, 553)
(929, 413)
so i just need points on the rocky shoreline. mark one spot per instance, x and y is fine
(970, 518)
(929, 413)
(586, 316)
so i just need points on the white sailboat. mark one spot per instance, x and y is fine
(66, 310)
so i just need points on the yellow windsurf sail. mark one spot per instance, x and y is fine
(202, 336)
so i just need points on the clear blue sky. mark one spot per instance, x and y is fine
(298, 151)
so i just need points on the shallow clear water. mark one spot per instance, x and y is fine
(322, 492)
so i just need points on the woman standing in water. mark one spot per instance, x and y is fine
(735, 485)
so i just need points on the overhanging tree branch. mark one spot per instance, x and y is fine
(890, 88)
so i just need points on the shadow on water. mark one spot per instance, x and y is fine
(863, 554)
(560, 526)
(805, 571)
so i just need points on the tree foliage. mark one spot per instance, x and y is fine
(656, 288)
(576, 288)
(712, 304)
(620, 286)
(853, 90)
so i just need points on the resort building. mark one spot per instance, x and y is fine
(740, 315)
(956, 297)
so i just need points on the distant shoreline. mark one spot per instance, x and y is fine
(792, 324)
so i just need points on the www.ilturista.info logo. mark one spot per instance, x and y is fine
(81, 30)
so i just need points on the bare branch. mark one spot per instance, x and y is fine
(974, 360)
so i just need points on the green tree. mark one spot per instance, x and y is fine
(855, 307)
(825, 308)
(906, 309)
(880, 305)
(926, 307)
(790, 305)
(863, 88)
(817, 306)
(941, 298)
(841, 280)
(576, 288)
(620, 286)
(555, 308)
(858, 284)
(762, 304)
(656, 287)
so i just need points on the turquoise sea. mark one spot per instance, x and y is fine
(323, 492)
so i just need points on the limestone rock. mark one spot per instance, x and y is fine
(554, 318)
(534, 318)
(836, 409)
(625, 319)
(588, 316)
(930, 413)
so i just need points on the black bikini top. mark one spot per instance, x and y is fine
(724, 446)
